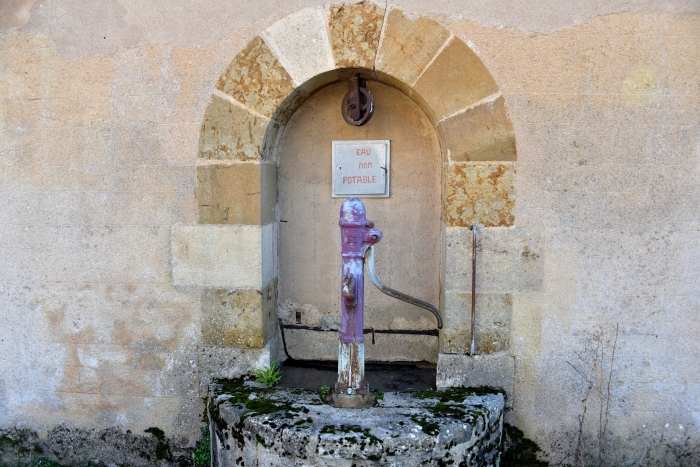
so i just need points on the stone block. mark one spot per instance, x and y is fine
(216, 361)
(256, 78)
(354, 33)
(495, 370)
(492, 327)
(508, 260)
(231, 194)
(231, 132)
(400, 430)
(469, 80)
(408, 45)
(480, 194)
(217, 256)
(481, 133)
(301, 44)
(233, 318)
(526, 323)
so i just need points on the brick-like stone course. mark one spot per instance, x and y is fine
(480, 194)
(231, 194)
(469, 80)
(256, 78)
(354, 33)
(481, 133)
(408, 45)
(301, 44)
(231, 132)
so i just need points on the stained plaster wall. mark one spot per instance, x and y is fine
(101, 110)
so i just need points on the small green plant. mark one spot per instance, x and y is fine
(324, 391)
(201, 456)
(269, 376)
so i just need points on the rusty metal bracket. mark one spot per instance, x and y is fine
(358, 104)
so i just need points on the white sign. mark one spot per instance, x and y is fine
(361, 168)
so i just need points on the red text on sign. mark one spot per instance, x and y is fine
(355, 179)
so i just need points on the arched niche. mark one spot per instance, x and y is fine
(232, 252)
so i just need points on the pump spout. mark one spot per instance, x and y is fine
(369, 255)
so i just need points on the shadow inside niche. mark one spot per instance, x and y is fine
(386, 377)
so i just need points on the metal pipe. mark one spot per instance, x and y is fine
(472, 350)
(369, 254)
(416, 332)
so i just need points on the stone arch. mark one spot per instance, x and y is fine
(231, 253)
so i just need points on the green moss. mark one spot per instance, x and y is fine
(162, 447)
(261, 403)
(429, 426)
(519, 451)
(457, 394)
(378, 395)
(259, 441)
(201, 455)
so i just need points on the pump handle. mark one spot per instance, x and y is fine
(369, 254)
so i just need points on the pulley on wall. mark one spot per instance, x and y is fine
(358, 104)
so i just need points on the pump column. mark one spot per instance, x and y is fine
(357, 234)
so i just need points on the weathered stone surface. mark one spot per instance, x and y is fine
(401, 430)
(231, 132)
(354, 33)
(508, 260)
(492, 328)
(408, 45)
(482, 133)
(495, 370)
(480, 194)
(231, 194)
(65, 445)
(215, 361)
(469, 80)
(256, 78)
(233, 318)
(301, 44)
(217, 256)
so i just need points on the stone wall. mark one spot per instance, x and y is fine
(112, 313)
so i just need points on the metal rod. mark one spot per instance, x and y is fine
(472, 350)
(416, 332)
(394, 293)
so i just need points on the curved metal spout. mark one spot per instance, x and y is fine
(369, 254)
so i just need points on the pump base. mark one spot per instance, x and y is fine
(356, 400)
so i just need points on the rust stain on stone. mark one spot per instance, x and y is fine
(354, 33)
(480, 194)
(256, 78)
(455, 341)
